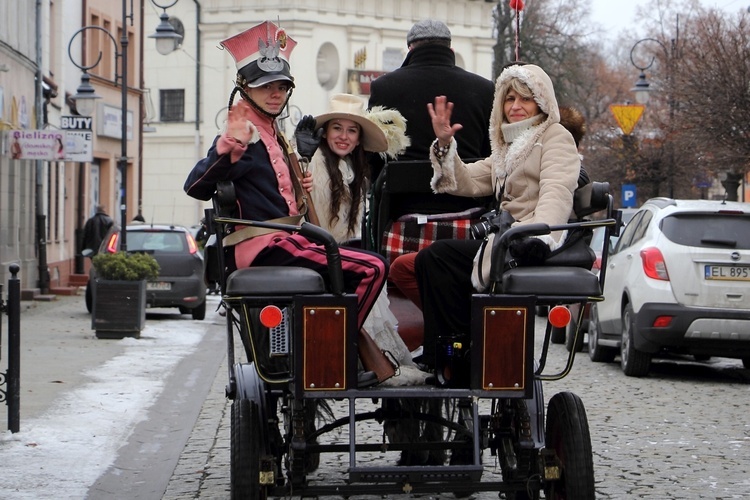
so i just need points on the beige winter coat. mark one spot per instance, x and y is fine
(539, 169)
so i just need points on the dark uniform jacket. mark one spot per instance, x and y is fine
(255, 182)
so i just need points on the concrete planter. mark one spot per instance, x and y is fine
(119, 308)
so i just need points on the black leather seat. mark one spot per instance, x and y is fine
(274, 280)
(557, 280)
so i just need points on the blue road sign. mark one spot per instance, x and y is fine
(628, 196)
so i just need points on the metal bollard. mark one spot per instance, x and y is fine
(13, 375)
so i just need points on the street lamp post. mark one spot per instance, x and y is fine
(165, 35)
(165, 48)
(642, 88)
(85, 99)
(86, 96)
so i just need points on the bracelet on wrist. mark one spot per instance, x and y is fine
(440, 151)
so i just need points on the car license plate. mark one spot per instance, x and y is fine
(158, 285)
(727, 273)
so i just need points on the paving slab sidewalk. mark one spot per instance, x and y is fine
(57, 346)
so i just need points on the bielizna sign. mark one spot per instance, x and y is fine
(35, 144)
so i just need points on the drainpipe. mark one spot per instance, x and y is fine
(141, 114)
(198, 150)
(41, 219)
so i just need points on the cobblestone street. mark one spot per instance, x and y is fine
(680, 433)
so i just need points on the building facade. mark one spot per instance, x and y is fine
(51, 178)
(175, 104)
(341, 46)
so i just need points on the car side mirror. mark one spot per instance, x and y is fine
(87, 252)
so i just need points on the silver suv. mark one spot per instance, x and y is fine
(678, 281)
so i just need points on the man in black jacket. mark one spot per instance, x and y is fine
(96, 229)
(430, 70)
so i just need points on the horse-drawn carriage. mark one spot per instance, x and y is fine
(297, 351)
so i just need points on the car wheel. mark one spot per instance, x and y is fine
(634, 363)
(598, 353)
(570, 332)
(89, 298)
(199, 312)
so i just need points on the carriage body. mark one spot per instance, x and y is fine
(280, 372)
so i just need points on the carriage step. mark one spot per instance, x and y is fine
(415, 474)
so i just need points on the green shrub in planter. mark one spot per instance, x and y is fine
(125, 266)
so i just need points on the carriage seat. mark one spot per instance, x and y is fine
(546, 280)
(274, 280)
(556, 280)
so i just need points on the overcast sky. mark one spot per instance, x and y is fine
(614, 15)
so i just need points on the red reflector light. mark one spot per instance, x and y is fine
(559, 316)
(270, 316)
(663, 321)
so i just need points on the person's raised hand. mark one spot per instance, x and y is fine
(307, 136)
(238, 122)
(440, 114)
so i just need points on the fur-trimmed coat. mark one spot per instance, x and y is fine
(539, 170)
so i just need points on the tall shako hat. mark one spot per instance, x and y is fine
(261, 54)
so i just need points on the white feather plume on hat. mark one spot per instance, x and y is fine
(393, 125)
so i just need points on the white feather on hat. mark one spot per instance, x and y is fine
(393, 125)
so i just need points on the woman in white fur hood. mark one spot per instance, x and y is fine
(533, 171)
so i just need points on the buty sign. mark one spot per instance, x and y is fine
(79, 143)
(76, 122)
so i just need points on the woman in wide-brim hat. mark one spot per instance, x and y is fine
(339, 167)
(341, 176)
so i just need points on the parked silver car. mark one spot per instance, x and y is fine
(180, 283)
(678, 281)
(567, 335)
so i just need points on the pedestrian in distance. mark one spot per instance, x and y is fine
(96, 229)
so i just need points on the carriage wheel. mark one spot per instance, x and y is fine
(568, 434)
(244, 470)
